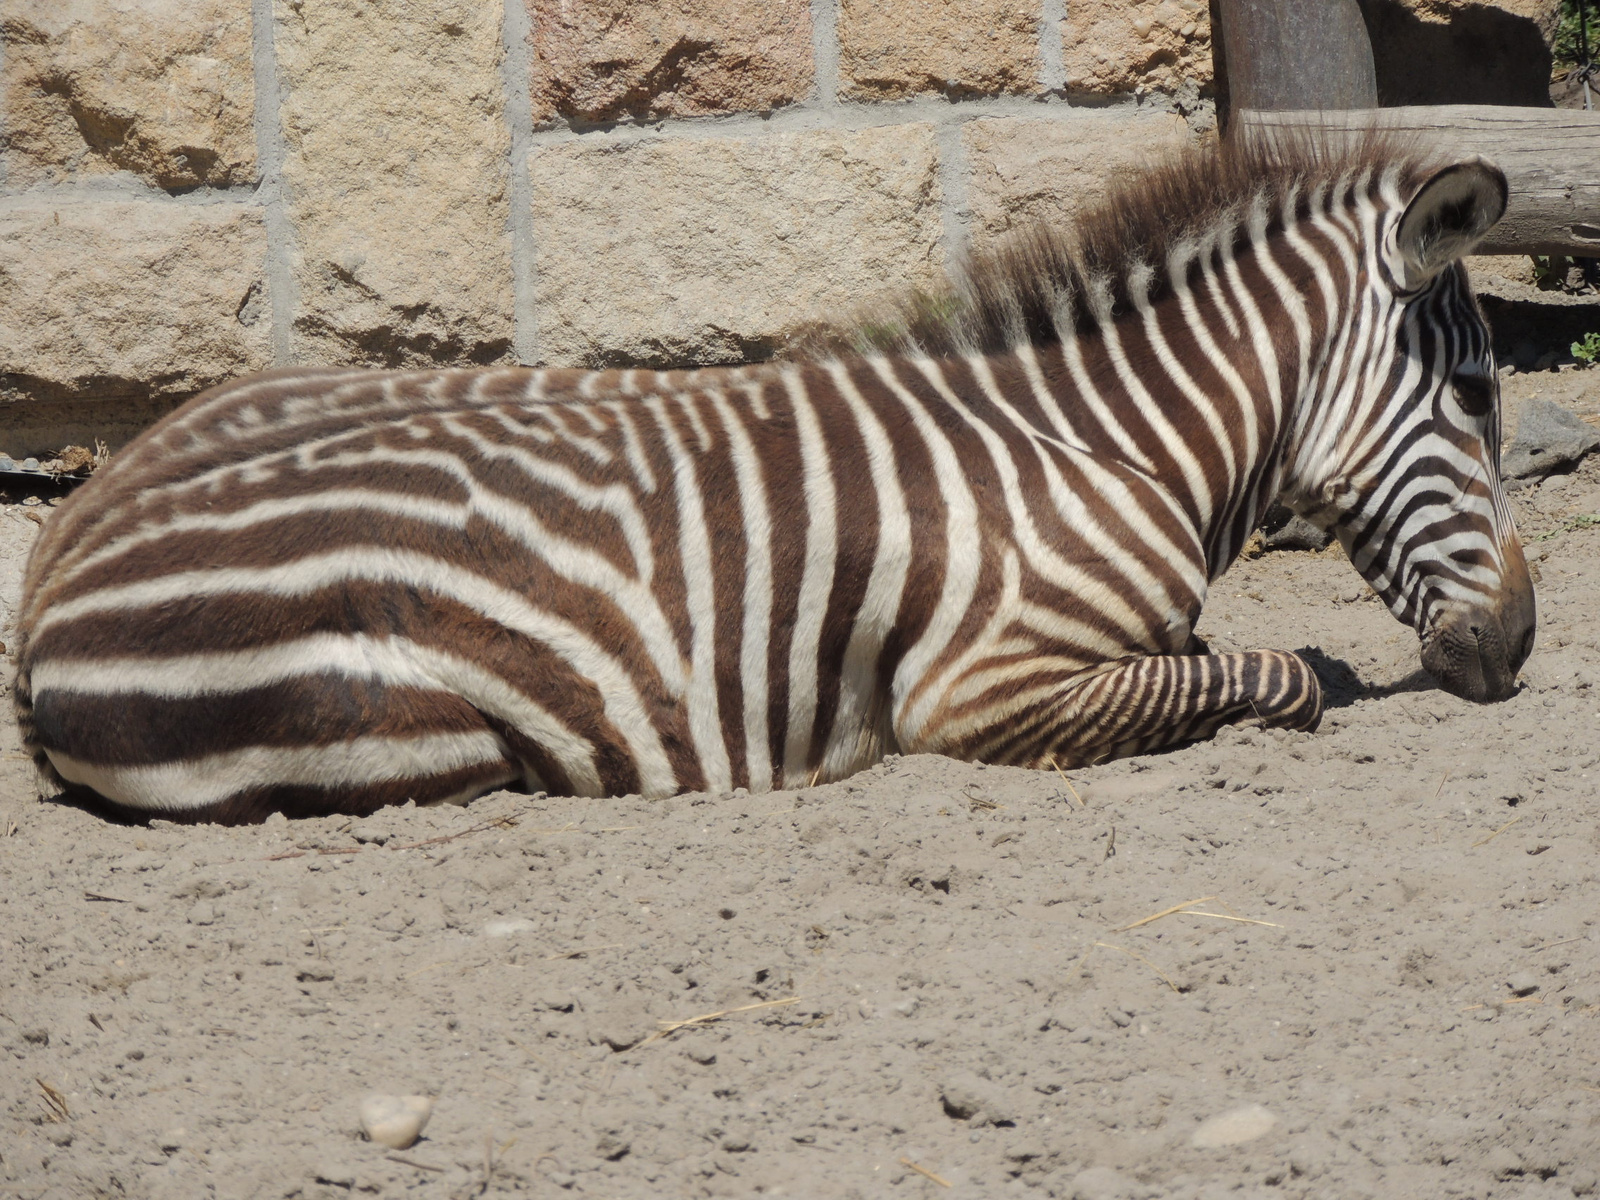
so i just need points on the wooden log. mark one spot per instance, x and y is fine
(1551, 158)
(1294, 54)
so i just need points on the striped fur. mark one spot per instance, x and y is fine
(325, 590)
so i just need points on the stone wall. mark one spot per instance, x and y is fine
(195, 189)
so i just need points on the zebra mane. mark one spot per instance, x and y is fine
(1043, 282)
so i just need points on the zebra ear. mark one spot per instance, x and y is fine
(1449, 216)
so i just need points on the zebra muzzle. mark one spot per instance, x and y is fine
(1476, 654)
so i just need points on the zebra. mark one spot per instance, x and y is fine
(982, 525)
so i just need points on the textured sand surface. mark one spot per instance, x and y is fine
(1391, 987)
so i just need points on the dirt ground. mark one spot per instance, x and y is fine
(1385, 981)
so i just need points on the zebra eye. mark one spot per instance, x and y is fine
(1475, 394)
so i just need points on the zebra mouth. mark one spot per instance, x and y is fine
(1471, 656)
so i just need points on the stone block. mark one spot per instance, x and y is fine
(952, 47)
(395, 166)
(125, 303)
(702, 250)
(1024, 171)
(161, 88)
(611, 60)
(1113, 46)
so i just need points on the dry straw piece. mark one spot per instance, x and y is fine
(1187, 909)
(55, 1100)
(668, 1028)
(1165, 978)
(1068, 782)
(925, 1173)
(1498, 832)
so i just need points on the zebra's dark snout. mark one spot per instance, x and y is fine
(1476, 655)
(1476, 652)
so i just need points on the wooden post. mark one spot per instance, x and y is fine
(1551, 157)
(1292, 54)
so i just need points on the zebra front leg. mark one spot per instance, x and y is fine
(1145, 704)
(1164, 700)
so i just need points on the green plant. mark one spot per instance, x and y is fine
(1550, 271)
(1588, 350)
(1565, 50)
(1581, 521)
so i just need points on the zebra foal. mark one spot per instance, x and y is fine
(986, 531)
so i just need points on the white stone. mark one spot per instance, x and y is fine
(395, 1121)
(508, 927)
(1233, 1128)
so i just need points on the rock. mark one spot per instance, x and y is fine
(1284, 530)
(1233, 1128)
(397, 184)
(1523, 983)
(202, 913)
(1299, 534)
(974, 47)
(1024, 171)
(395, 1121)
(1548, 438)
(719, 249)
(502, 927)
(977, 1101)
(1112, 46)
(128, 304)
(370, 832)
(610, 60)
(163, 90)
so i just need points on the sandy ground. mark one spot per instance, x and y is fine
(1391, 985)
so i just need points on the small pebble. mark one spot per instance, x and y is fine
(395, 1121)
(1233, 1128)
(370, 831)
(1523, 983)
(508, 927)
(203, 913)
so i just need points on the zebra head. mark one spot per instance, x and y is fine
(1402, 460)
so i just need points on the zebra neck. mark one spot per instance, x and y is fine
(1197, 407)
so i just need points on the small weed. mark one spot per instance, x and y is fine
(1588, 350)
(1582, 521)
(1550, 271)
